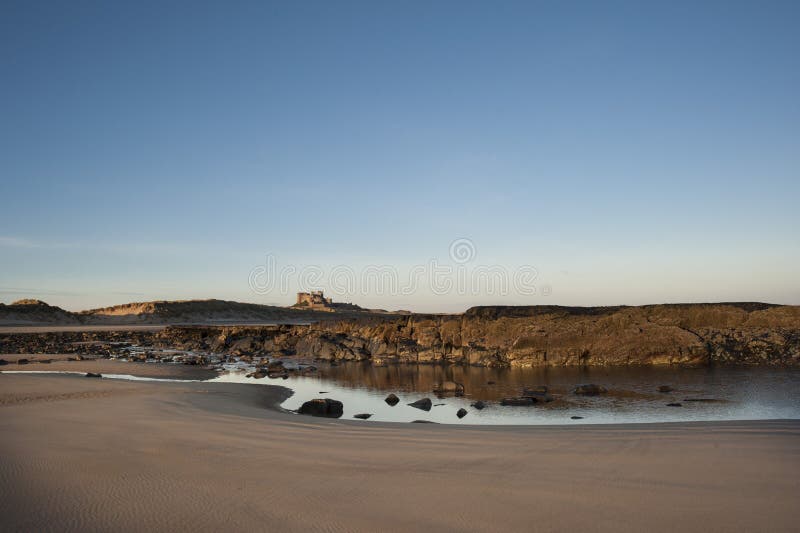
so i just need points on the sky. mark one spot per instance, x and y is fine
(613, 152)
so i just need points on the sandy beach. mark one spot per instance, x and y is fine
(83, 454)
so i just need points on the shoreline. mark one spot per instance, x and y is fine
(90, 455)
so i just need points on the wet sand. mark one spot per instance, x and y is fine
(81, 454)
(100, 365)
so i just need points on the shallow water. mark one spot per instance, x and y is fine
(743, 393)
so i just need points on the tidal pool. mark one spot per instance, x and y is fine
(740, 393)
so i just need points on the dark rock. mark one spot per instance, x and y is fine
(478, 405)
(518, 401)
(438, 404)
(22, 361)
(392, 400)
(322, 407)
(323, 392)
(674, 404)
(665, 388)
(449, 387)
(423, 422)
(576, 417)
(589, 389)
(537, 393)
(461, 413)
(425, 404)
(490, 382)
(275, 364)
(3, 362)
(362, 416)
(93, 375)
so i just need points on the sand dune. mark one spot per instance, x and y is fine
(101, 455)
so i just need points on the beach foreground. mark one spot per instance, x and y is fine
(98, 455)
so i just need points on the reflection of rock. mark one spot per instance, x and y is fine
(478, 405)
(93, 375)
(362, 416)
(518, 401)
(665, 388)
(392, 399)
(449, 387)
(322, 407)
(589, 389)
(461, 413)
(424, 404)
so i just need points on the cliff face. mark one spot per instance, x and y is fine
(529, 336)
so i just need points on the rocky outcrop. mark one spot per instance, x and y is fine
(735, 333)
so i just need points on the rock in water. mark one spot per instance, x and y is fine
(589, 389)
(674, 404)
(665, 388)
(576, 417)
(461, 413)
(425, 404)
(322, 407)
(449, 387)
(539, 394)
(520, 401)
(478, 405)
(93, 375)
(392, 400)
(362, 416)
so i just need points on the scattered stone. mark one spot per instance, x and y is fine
(461, 413)
(576, 417)
(478, 405)
(449, 387)
(22, 361)
(275, 364)
(425, 404)
(362, 416)
(518, 401)
(665, 388)
(675, 404)
(392, 400)
(423, 422)
(438, 404)
(589, 389)
(93, 375)
(323, 392)
(322, 407)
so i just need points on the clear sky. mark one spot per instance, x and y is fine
(632, 152)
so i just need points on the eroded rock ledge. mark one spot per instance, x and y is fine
(735, 333)
(743, 333)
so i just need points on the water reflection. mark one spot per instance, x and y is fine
(747, 393)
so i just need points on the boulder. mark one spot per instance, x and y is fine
(518, 401)
(322, 407)
(478, 405)
(93, 375)
(362, 416)
(589, 389)
(425, 404)
(392, 400)
(461, 413)
(449, 387)
(665, 388)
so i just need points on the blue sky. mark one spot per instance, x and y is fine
(632, 152)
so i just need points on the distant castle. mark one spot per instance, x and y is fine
(313, 300)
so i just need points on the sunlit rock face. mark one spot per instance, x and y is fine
(529, 336)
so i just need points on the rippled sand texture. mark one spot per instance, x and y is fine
(81, 454)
